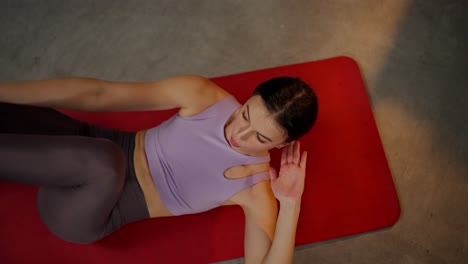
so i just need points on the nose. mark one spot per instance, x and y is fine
(244, 130)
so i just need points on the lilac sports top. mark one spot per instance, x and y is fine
(187, 157)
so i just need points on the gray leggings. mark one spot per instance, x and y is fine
(88, 187)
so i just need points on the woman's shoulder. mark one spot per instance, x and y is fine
(209, 95)
(257, 197)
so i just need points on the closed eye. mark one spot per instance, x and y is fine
(244, 116)
(259, 139)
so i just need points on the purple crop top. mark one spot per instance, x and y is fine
(187, 157)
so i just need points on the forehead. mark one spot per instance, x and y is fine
(262, 120)
(257, 106)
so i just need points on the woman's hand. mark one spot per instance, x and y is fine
(288, 185)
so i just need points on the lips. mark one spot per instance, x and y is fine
(233, 143)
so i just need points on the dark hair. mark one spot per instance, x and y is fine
(292, 102)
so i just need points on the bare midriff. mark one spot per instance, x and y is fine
(154, 203)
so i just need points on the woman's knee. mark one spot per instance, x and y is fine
(76, 237)
(79, 215)
(102, 167)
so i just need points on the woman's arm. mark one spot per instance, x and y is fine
(282, 247)
(265, 242)
(85, 94)
(74, 93)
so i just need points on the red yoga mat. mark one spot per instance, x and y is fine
(349, 187)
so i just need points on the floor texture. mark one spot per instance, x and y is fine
(413, 56)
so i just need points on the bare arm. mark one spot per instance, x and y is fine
(282, 248)
(270, 238)
(85, 94)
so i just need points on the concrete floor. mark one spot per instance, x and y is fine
(413, 55)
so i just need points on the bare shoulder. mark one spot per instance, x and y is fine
(257, 197)
(205, 94)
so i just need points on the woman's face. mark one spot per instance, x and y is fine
(252, 129)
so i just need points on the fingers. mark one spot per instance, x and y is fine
(284, 156)
(293, 153)
(303, 160)
(297, 152)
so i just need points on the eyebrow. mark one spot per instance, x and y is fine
(248, 114)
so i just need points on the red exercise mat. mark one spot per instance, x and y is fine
(349, 188)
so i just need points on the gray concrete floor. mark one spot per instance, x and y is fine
(413, 55)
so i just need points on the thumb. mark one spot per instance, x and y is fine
(273, 175)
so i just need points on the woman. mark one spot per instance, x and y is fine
(214, 152)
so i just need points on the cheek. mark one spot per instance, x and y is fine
(236, 120)
(237, 124)
(254, 145)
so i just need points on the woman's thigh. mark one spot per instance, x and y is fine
(84, 193)
(80, 180)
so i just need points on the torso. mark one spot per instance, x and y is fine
(155, 206)
(154, 203)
